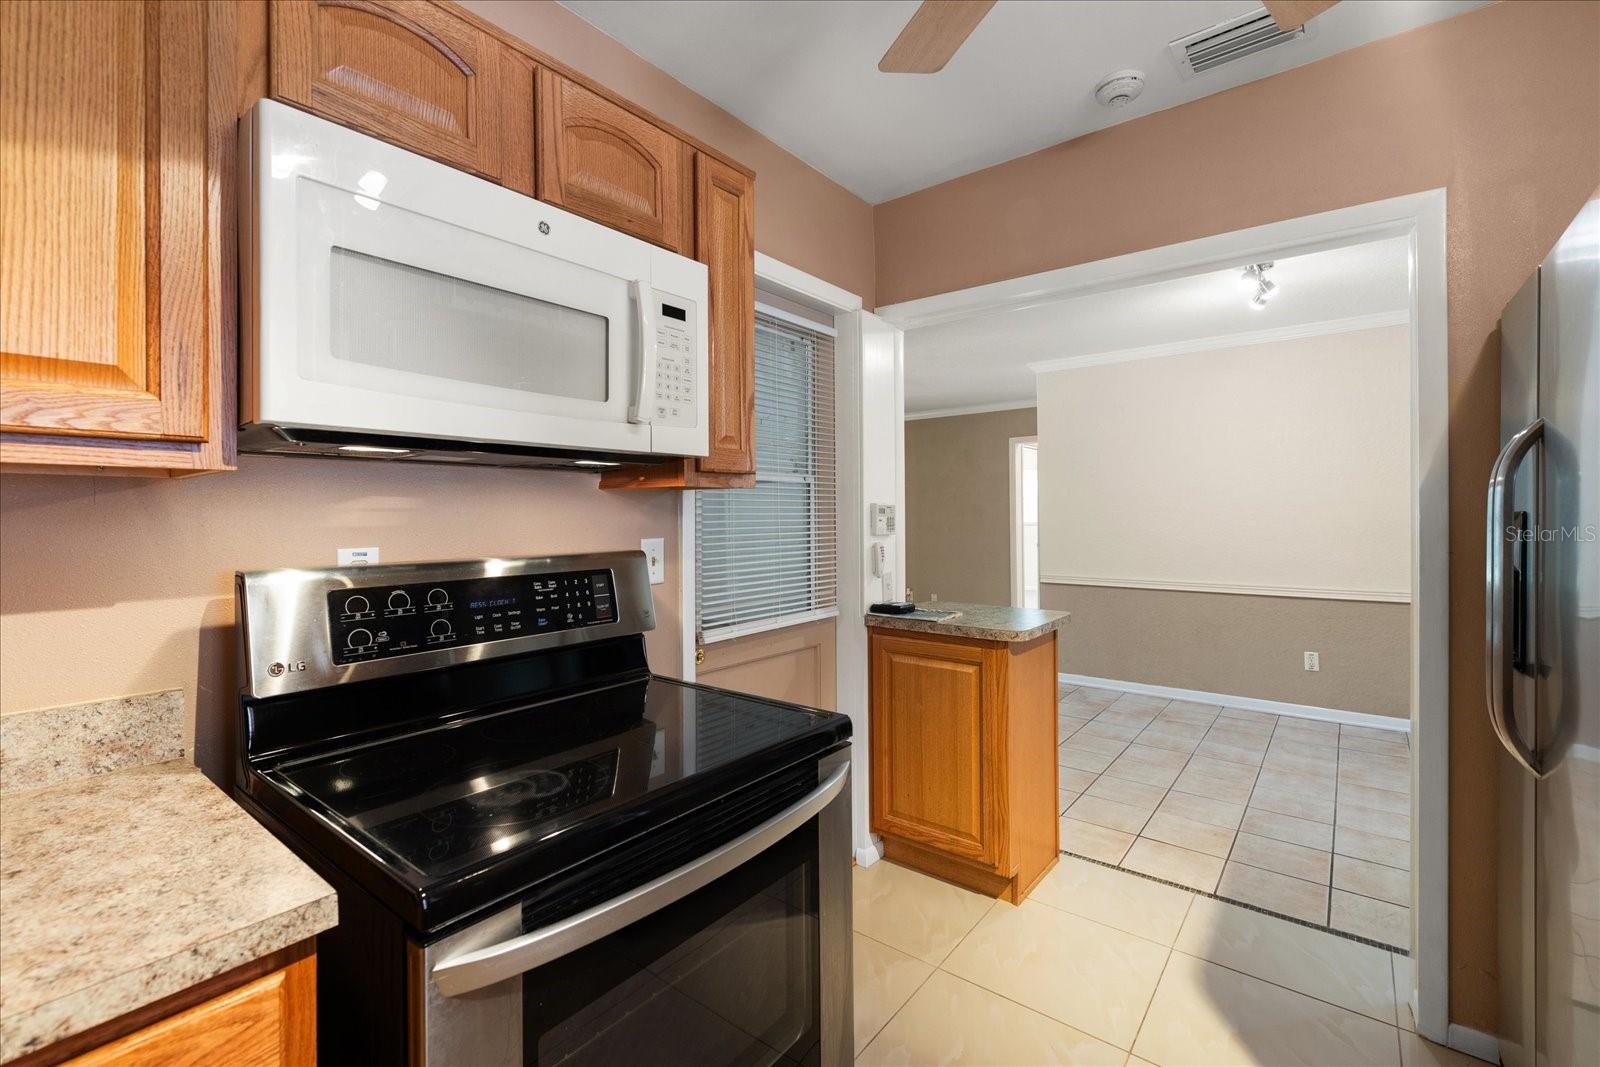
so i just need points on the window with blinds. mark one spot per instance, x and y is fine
(767, 555)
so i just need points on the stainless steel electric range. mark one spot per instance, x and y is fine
(543, 852)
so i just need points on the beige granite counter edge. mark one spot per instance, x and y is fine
(955, 628)
(130, 990)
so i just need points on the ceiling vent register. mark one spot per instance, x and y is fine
(1232, 40)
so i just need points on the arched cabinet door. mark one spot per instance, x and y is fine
(602, 161)
(407, 71)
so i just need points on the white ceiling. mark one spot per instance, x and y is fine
(805, 72)
(983, 360)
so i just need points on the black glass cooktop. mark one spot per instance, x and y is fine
(437, 805)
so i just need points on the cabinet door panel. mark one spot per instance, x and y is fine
(604, 162)
(931, 745)
(103, 298)
(270, 1022)
(725, 242)
(403, 70)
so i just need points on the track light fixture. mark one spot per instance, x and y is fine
(1256, 282)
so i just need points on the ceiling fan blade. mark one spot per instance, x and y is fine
(1292, 14)
(932, 36)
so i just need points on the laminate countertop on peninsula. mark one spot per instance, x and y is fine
(120, 888)
(984, 622)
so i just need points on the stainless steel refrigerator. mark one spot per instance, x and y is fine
(1544, 656)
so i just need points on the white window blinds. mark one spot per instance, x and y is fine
(767, 555)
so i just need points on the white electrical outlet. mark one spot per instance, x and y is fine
(655, 552)
(1313, 662)
(358, 557)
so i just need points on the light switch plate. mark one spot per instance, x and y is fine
(358, 557)
(655, 551)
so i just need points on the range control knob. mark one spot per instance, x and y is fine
(438, 597)
(357, 605)
(358, 638)
(440, 628)
(399, 600)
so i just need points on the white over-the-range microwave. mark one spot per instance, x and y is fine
(393, 307)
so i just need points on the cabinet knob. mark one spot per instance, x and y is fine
(699, 656)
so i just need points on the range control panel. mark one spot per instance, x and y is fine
(378, 621)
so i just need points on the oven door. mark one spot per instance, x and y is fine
(390, 294)
(739, 956)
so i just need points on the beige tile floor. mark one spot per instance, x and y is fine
(1099, 966)
(1303, 818)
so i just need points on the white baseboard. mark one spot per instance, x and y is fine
(1276, 707)
(1475, 1043)
(872, 853)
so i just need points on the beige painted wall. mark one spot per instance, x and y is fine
(114, 586)
(1462, 104)
(1279, 466)
(1240, 645)
(1267, 467)
(958, 505)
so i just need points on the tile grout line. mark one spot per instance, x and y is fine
(1279, 985)
(1338, 751)
(893, 1015)
(1254, 782)
(1397, 950)
(1237, 830)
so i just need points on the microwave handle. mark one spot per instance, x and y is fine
(644, 366)
(471, 971)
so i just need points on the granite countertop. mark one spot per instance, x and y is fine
(120, 888)
(986, 622)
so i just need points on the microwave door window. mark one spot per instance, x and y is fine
(458, 339)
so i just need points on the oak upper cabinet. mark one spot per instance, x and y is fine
(407, 71)
(725, 241)
(602, 161)
(111, 270)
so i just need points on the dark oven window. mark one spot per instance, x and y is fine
(727, 975)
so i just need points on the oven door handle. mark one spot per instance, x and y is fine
(471, 971)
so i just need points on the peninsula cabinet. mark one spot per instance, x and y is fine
(113, 333)
(963, 757)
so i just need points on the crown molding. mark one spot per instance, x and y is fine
(971, 409)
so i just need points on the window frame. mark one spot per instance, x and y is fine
(821, 521)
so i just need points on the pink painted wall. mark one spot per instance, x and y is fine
(1500, 106)
(115, 586)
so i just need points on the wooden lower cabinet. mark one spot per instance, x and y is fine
(263, 1014)
(963, 757)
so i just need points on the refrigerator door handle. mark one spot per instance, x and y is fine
(1502, 521)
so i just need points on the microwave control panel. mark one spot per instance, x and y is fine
(675, 370)
(377, 622)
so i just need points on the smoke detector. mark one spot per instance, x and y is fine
(1120, 89)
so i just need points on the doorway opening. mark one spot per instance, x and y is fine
(1393, 766)
(1025, 522)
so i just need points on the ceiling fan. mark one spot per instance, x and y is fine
(939, 27)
